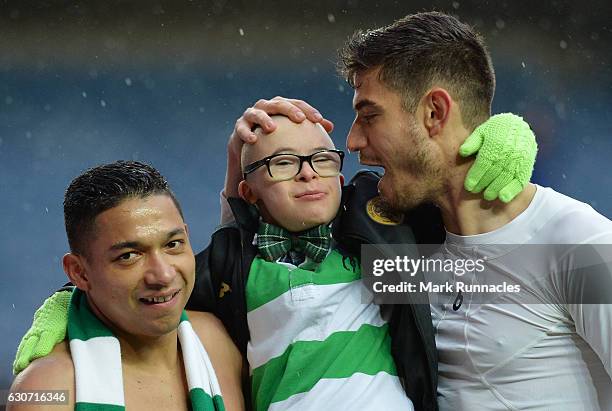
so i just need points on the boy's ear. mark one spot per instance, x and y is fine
(75, 270)
(341, 179)
(246, 193)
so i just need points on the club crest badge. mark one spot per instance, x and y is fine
(381, 213)
(224, 289)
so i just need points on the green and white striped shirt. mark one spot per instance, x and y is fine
(317, 340)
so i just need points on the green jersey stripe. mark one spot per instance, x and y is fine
(304, 363)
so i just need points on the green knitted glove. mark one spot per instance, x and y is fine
(507, 150)
(47, 330)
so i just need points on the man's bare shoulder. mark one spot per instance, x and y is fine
(224, 356)
(213, 335)
(53, 372)
(206, 323)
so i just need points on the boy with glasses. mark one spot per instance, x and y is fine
(314, 342)
(290, 293)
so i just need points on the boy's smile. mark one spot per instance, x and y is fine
(311, 195)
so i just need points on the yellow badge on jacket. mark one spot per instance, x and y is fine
(224, 289)
(381, 213)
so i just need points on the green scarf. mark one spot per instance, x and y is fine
(97, 363)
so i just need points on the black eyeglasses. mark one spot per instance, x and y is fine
(281, 167)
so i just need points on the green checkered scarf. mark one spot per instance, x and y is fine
(274, 242)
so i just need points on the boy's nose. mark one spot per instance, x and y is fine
(307, 173)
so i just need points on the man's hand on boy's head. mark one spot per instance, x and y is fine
(259, 115)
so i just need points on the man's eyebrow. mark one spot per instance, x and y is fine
(174, 232)
(365, 103)
(138, 244)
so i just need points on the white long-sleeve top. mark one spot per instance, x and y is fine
(548, 353)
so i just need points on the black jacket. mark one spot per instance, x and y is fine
(223, 267)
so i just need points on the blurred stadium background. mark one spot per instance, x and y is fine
(82, 83)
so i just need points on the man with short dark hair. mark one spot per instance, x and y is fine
(422, 87)
(131, 343)
(433, 48)
(427, 62)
